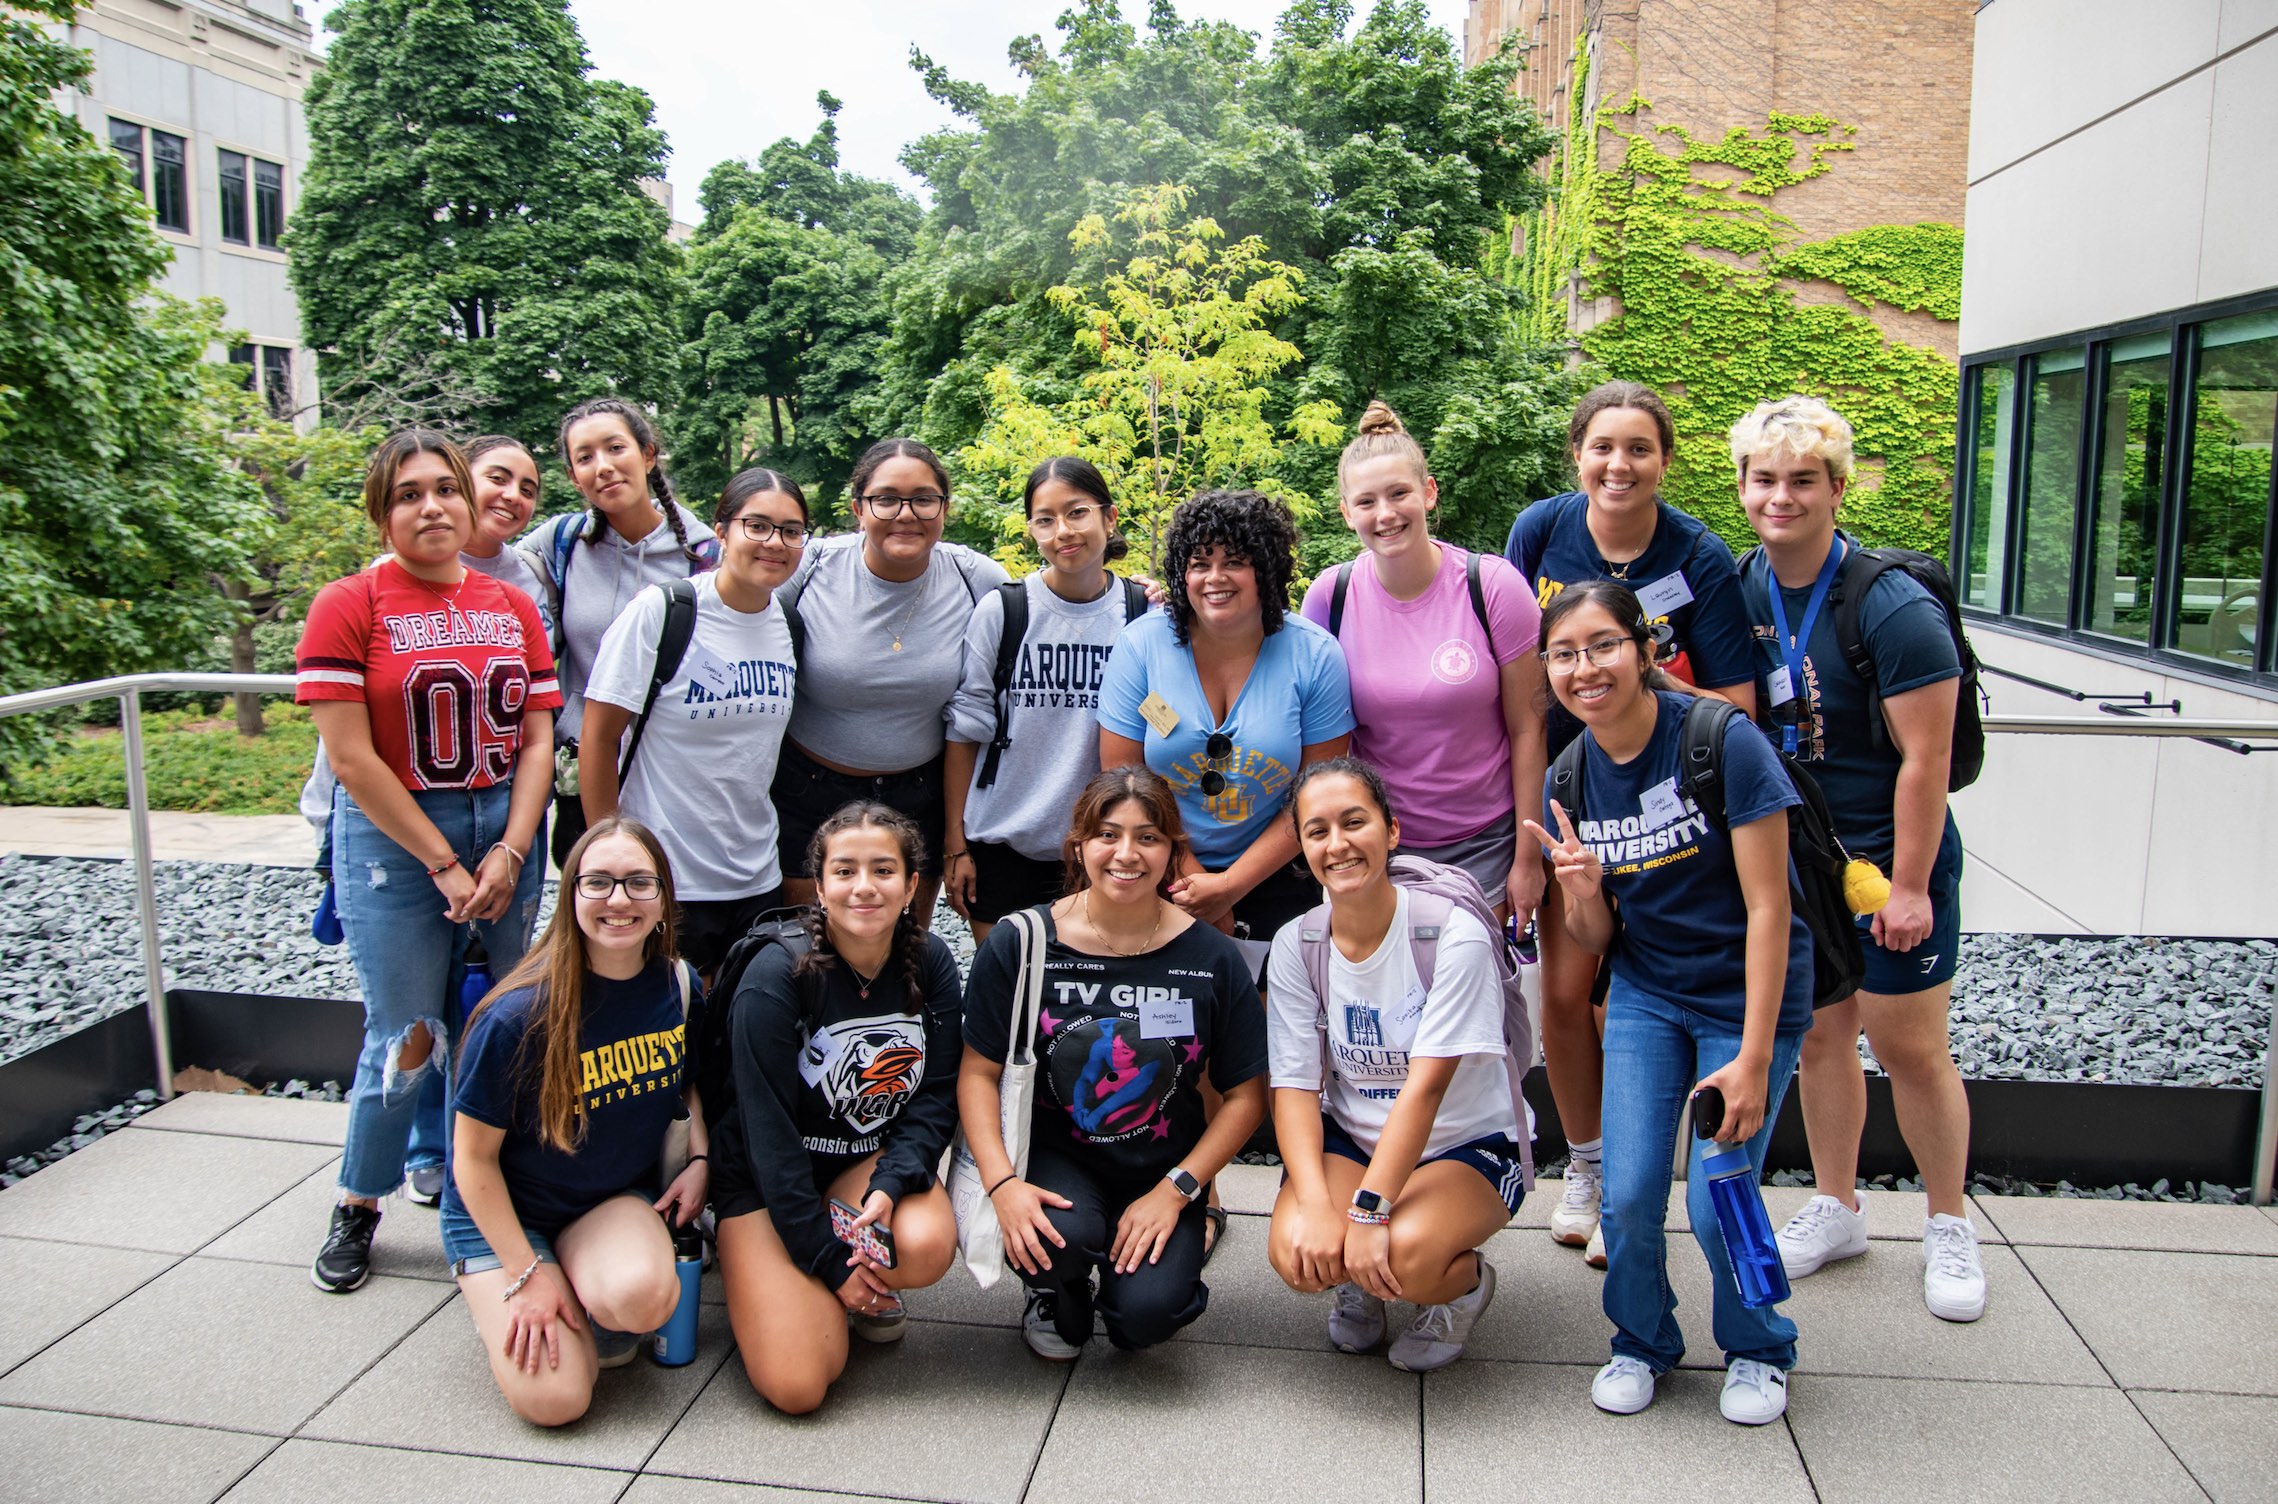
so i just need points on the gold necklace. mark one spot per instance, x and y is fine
(1147, 945)
(917, 600)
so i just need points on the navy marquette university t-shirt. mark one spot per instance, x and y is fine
(631, 1056)
(1685, 579)
(1684, 928)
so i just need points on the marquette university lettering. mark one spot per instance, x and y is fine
(1627, 843)
(409, 632)
(1059, 676)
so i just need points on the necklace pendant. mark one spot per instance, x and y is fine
(897, 644)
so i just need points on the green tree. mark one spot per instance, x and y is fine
(117, 500)
(1175, 320)
(472, 238)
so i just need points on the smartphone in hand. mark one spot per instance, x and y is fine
(875, 1242)
(1708, 1112)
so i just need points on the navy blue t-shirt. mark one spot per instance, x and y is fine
(632, 1051)
(1688, 567)
(1904, 630)
(1684, 930)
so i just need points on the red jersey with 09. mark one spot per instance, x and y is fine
(445, 674)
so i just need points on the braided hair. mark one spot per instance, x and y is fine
(644, 436)
(908, 945)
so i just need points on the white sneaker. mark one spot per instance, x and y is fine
(1576, 1215)
(1824, 1231)
(1953, 1276)
(1755, 1394)
(1356, 1319)
(1042, 1335)
(1595, 1254)
(1436, 1337)
(1623, 1387)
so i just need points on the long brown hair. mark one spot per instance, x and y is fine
(556, 968)
(907, 947)
(1106, 790)
(380, 471)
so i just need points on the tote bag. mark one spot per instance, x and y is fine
(979, 1238)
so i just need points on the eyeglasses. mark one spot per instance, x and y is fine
(1602, 653)
(767, 529)
(1045, 525)
(1217, 750)
(637, 885)
(925, 506)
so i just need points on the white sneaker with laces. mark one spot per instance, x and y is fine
(1042, 1333)
(1824, 1231)
(1436, 1337)
(1755, 1394)
(1595, 1254)
(1576, 1215)
(1624, 1386)
(1953, 1276)
(1356, 1319)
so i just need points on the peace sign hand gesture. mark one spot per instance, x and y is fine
(1575, 865)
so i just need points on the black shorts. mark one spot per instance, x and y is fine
(806, 794)
(736, 1190)
(1286, 893)
(1005, 882)
(708, 926)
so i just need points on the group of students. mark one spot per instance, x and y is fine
(770, 752)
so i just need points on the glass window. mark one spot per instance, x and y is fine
(268, 203)
(2217, 608)
(169, 182)
(126, 140)
(234, 216)
(2052, 480)
(242, 355)
(1993, 412)
(277, 379)
(2131, 475)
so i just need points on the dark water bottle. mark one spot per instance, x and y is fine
(1740, 1213)
(675, 1343)
(475, 985)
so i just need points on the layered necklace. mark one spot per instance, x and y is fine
(1147, 945)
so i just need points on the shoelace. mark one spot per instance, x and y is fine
(1581, 1185)
(1625, 1367)
(1951, 1245)
(1355, 1303)
(1434, 1323)
(1816, 1214)
(1755, 1375)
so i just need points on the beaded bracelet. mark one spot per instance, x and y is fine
(516, 1288)
(1367, 1219)
(444, 866)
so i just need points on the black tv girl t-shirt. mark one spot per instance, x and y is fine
(1123, 1042)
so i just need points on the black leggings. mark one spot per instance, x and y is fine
(1141, 1308)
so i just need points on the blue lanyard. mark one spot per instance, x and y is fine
(1792, 644)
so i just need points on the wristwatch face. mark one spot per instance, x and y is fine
(1188, 1186)
(1370, 1202)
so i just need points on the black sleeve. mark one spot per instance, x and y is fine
(988, 992)
(914, 1141)
(765, 1059)
(1238, 1046)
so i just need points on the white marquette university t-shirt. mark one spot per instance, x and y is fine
(708, 756)
(1379, 1015)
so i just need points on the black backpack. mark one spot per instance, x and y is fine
(1342, 580)
(1838, 961)
(1861, 568)
(672, 647)
(709, 1045)
(1013, 595)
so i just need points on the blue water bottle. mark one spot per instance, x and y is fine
(1740, 1214)
(475, 985)
(675, 1343)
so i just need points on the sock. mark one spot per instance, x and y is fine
(1587, 1151)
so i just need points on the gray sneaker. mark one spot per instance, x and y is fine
(886, 1324)
(1356, 1319)
(1436, 1337)
(615, 1348)
(1042, 1332)
(423, 1186)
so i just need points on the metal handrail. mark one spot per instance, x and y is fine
(127, 689)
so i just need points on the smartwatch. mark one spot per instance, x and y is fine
(1184, 1183)
(1369, 1204)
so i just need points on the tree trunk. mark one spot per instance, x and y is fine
(241, 662)
(775, 415)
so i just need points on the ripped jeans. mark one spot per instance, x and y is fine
(409, 963)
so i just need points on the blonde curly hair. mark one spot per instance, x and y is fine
(1797, 427)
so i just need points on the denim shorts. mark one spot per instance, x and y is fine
(1497, 1157)
(1895, 973)
(469, 1253)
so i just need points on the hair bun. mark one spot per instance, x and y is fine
(1380, 418)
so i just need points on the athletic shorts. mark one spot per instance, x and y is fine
(806, 794)
(1894, 973)
(1005, 882)
(1286, 893)
(736, 1189)
(1497, 1157)
(1487, 856)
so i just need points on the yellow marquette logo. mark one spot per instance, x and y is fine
(633, 1067)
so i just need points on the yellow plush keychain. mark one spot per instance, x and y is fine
(1865, 889)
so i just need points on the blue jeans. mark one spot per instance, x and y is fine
(1655, 1051)
(409, 961)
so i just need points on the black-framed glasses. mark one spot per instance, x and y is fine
(1602, 653)
(1216, 750)
(925, 506)
(767, 529)
(637, 885)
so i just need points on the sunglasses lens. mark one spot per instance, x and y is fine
(1213, 784)
(1219, 744)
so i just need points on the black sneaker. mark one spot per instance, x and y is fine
(424, 1186)
(345, 1261)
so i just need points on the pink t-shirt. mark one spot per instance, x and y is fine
(1427, 697)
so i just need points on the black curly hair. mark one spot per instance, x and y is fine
(1248, 525)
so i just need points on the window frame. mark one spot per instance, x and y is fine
(146, 172)
(251, 244)
(2180, 326)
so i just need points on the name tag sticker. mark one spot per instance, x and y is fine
(1400, 1023)
(1167, 1018)
(707, 669)
(1158, 713)
(1661, 805)
(1665, 594)
(1782, 690)
(816, 1055)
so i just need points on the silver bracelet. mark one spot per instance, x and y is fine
(516, 1288)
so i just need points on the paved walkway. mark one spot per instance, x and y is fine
(160, 1341)
(268, 840)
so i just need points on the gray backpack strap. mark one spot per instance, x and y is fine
(1428, 914)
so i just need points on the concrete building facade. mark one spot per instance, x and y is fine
(202, 99)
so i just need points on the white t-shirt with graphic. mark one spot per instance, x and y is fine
(1379, 1015)
(701, 777)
